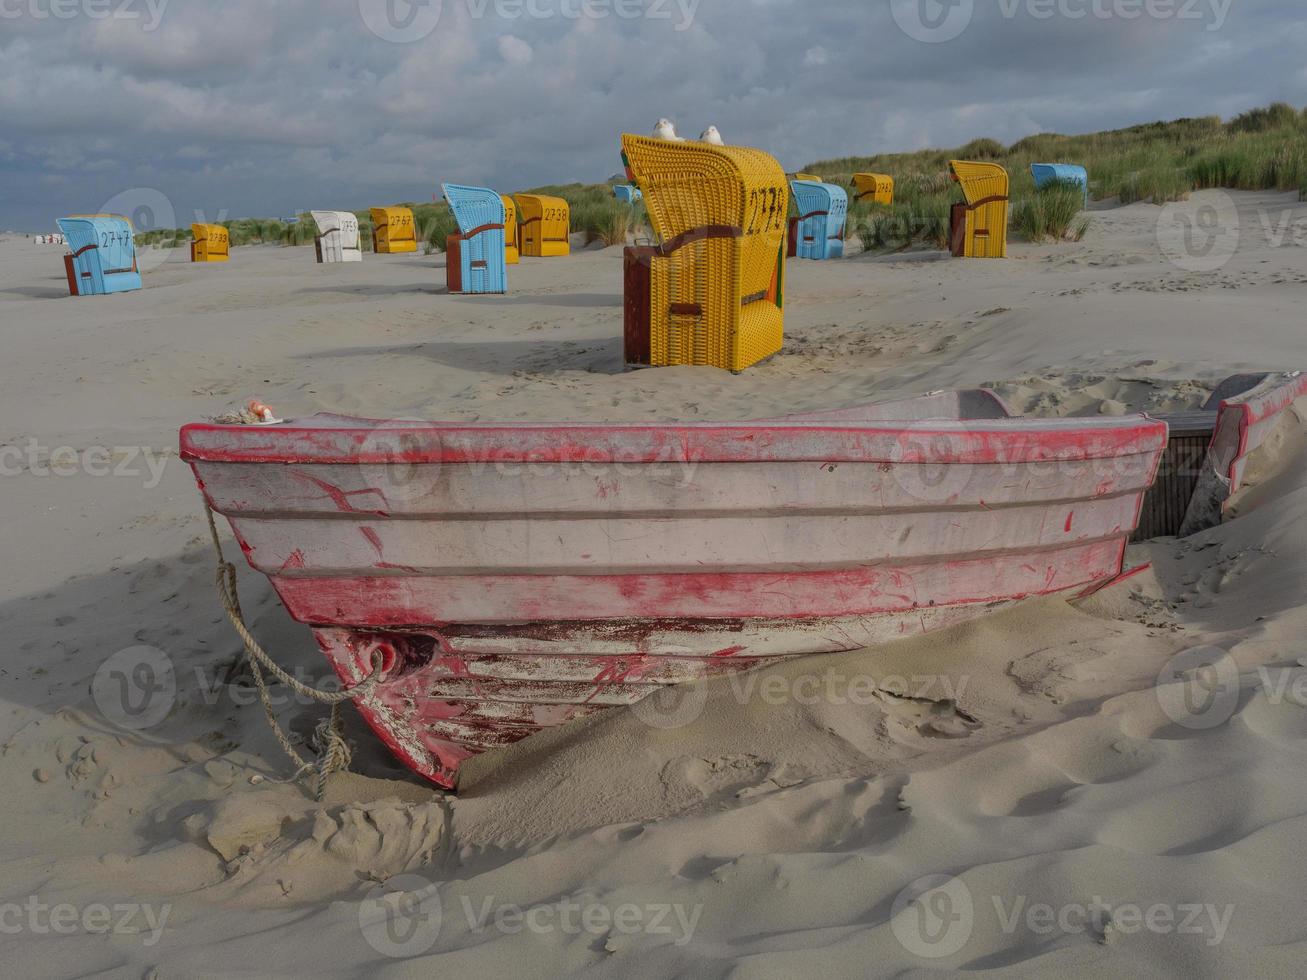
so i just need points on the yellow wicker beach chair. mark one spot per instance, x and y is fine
(210, 243)
(979, 227)
(544, 224)
(808, 177)
(512, 254)
(876, 188)
(393, 231)
(716, 278)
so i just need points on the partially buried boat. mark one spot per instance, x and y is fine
(517, 576)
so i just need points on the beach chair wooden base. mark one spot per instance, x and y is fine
(637, 295)
(454, 263)
(70, 268)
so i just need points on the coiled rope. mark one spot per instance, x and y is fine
(333, 751)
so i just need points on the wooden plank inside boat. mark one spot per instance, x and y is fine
(1167, 502)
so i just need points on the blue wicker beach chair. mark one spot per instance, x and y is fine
(823, 210)
(102, 254)
(627, 193)
(475, 258)
(475, 261)
(1067, 173)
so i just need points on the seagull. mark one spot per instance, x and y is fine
(666, 131)
(710, 135)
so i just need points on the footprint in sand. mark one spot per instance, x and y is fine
(721, 779)
(925, 718)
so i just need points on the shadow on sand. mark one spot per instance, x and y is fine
(39, 292)
(602, 356)
(58, 640)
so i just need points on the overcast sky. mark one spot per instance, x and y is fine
(233, 108)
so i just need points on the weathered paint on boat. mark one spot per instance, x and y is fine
(1248, 408)
(518, 576)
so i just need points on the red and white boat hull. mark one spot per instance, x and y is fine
(516, 577)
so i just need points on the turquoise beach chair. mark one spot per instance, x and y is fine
(823, 211)
(475, 258)
(102, 254)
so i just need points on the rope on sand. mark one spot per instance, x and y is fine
(333, 751)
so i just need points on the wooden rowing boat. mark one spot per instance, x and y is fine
(517, 576)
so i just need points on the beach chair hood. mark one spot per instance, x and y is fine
(1067, 173)
(875, 188)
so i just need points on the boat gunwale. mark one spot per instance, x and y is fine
(964, 442)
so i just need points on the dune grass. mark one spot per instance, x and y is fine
(606, 222)
(164, 237)
(1263, 149)
(1053, 211)
(241, 231)
(924, 219)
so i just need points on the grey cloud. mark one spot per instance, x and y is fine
(250, 107)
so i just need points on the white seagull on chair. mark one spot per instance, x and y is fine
(710, 135)
(666, 131)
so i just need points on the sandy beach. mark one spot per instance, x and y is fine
(1035, 762)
